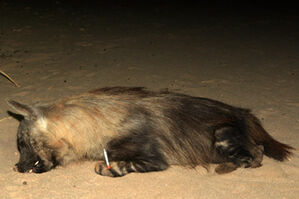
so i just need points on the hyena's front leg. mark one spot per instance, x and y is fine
(121, 168)
(133, 153)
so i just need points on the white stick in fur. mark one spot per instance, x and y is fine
(106, 159)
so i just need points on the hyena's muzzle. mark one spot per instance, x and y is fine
(30, 162)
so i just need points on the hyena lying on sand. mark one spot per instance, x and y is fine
(141, 131)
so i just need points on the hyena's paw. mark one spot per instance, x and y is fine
(225, 168)
(102, 169)
(257, 153)
(116, 169)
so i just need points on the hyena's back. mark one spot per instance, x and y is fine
(148, 131)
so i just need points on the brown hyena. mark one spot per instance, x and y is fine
(141, 131)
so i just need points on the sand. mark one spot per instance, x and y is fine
(246, 58)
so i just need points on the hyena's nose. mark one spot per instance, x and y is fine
(18, 168)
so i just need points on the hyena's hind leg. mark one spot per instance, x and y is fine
(238, 149)
(132, 154)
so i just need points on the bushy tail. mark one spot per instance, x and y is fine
(272, 148)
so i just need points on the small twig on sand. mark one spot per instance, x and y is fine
(9, 78)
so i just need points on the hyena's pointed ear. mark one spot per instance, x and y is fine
(27, 111)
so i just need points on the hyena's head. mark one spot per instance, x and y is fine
(35, 156)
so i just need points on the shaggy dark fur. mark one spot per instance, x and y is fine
(141, 131)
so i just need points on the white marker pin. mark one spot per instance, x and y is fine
(106, 159)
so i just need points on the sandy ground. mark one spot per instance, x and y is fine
(245, 58)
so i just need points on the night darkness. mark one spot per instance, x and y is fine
(242, 53)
